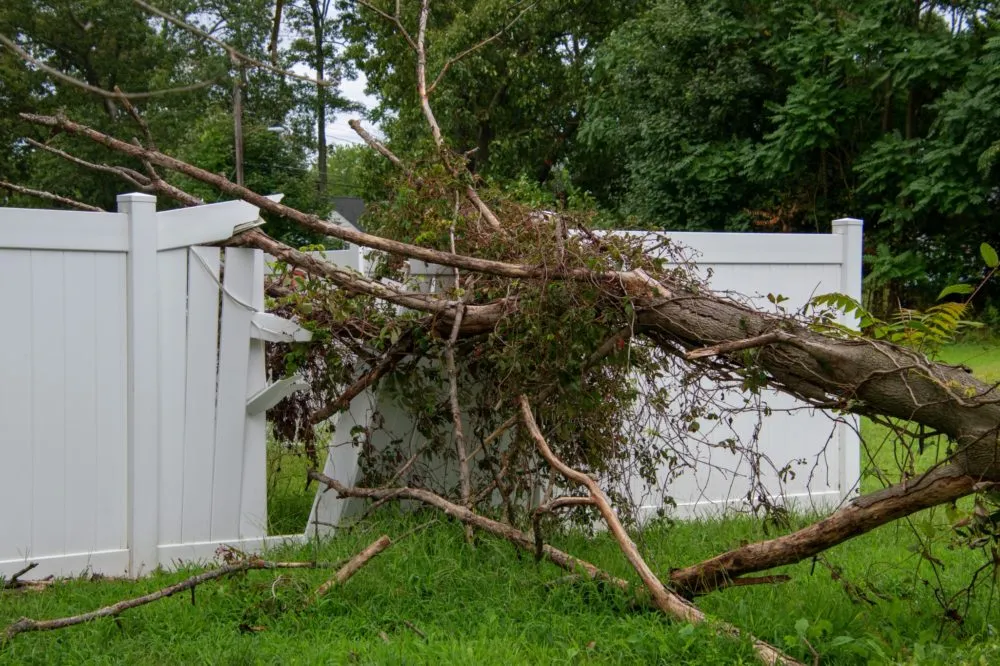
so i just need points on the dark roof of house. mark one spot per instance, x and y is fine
(350, 208)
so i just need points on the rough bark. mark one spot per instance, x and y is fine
(860, 375)
(945, 484)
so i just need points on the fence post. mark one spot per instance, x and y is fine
(852, 232)
(143, 381)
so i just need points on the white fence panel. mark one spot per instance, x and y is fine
(797, 266)
(63, 481)
(124, 427)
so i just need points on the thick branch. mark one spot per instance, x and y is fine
(942, 485)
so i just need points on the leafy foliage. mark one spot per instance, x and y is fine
(927, 330)
(785, 115)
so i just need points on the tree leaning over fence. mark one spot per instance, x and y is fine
(549, 326)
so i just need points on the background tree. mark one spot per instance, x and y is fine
(784, 115)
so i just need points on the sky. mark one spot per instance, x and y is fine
(339, 132)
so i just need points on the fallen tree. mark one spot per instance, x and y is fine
(563, 319)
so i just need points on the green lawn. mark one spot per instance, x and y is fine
(493, 605)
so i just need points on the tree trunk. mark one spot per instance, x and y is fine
(864, 376)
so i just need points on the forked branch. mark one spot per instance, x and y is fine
(669, 602)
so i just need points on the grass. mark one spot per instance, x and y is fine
(492, 605)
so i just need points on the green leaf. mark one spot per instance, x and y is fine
(801, 626)
(989, 255)
(956, 289)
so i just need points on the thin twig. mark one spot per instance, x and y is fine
(66, 78)
(49, 196)
(738, 345)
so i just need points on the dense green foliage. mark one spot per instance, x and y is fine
(722, 115)
(785, 115)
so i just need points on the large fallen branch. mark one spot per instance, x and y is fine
(864, 515)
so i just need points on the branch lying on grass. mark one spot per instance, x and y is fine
(669, 602)
(515, 536)
(26, 624)
(353, 565)
(15, 582)
(48, 196)
(946, 484)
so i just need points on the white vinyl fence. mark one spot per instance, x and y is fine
(133, 396)
(823, 449)
(132, 431)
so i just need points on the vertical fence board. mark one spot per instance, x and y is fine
(199, 413)
(253, 501)
(173, 366)
(234, 339)
(111, 380)
(48, 402)
(80, 391)
(16, 352)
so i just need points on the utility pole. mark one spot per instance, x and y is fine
(238, 117)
